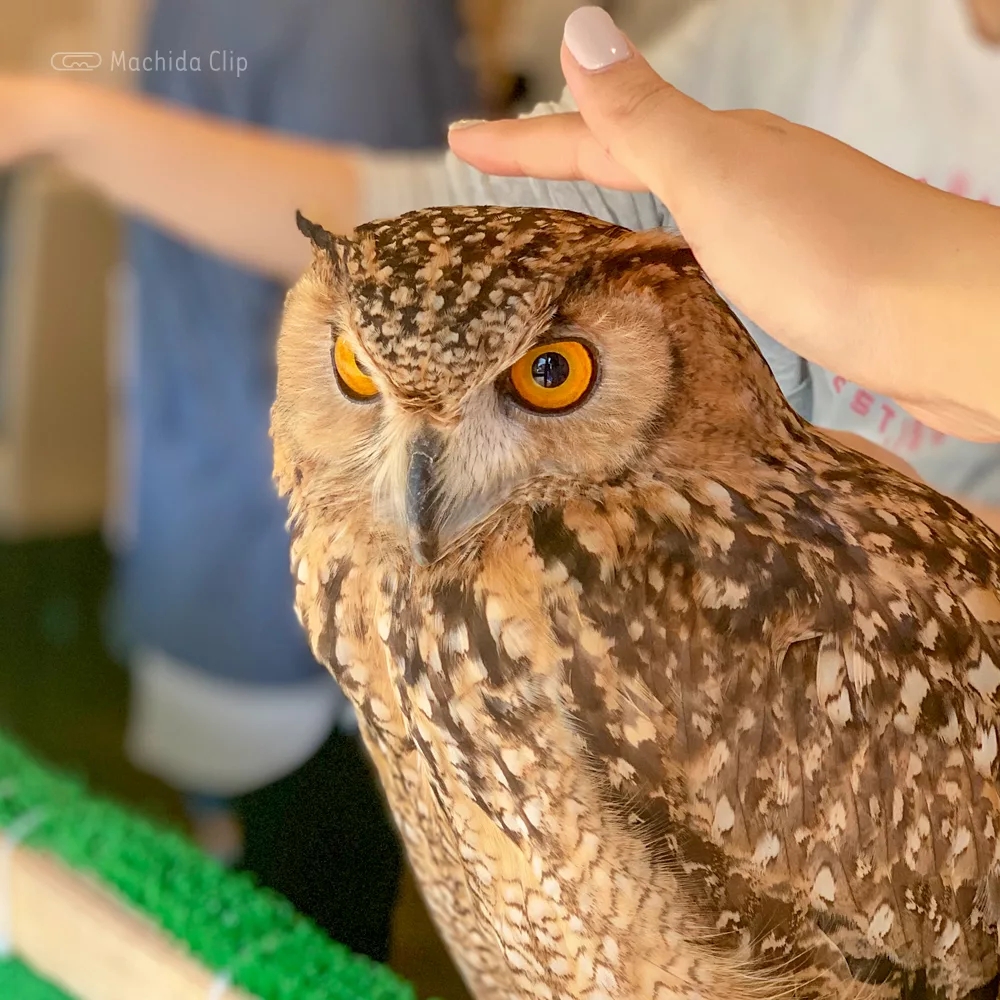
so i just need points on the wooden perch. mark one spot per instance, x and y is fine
(75, 934)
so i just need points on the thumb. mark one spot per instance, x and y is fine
(645, 124)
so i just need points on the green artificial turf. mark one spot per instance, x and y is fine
(18, 982)
(222, 918)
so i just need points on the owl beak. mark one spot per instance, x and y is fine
(422, 496)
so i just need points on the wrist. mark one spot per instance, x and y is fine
(934, 311)
(53, 114)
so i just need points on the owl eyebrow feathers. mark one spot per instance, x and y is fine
(460, 288)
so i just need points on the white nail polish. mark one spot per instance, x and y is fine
(593, 39)
(466, 123)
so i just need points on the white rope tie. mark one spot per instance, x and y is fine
(254, 950)
(219, 985)
(22, 827)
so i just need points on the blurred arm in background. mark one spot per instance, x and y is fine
(224, 186)
(227, 187)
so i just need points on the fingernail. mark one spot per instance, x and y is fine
(593, 38)
(466, 123)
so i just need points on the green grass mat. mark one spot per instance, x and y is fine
(17, 982)
(223, 919)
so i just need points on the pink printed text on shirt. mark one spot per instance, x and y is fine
(894, 427)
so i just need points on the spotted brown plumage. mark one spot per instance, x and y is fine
(670, 695)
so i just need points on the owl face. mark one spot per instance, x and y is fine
(445, 369)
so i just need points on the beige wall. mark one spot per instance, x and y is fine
(33, 29)
(60, 245)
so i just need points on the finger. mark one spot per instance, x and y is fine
(556, 147)
(646, 125)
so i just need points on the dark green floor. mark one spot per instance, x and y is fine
(64, 696)
(60, 691)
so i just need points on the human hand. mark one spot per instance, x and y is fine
(825, 248)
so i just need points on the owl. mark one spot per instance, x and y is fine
(670, 695)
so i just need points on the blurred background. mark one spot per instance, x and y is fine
(64, 682)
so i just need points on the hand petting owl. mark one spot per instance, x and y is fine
(671, 696)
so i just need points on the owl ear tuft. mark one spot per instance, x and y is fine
(335, 247)
(321, 238)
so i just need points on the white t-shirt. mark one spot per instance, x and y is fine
(905, 81)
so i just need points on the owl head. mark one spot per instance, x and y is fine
(441, 372)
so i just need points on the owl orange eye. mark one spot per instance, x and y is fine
(354, 381)
(553, 377)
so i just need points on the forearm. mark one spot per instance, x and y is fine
(888, 281)
(230, 188)
(937, 295)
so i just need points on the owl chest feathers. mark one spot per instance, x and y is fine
(466, 694)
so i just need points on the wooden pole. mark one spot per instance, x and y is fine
(71, 931)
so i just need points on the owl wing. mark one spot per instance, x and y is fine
(796, 710)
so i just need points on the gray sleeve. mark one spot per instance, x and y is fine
(394, 183)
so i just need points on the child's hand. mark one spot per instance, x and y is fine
(847, 262)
